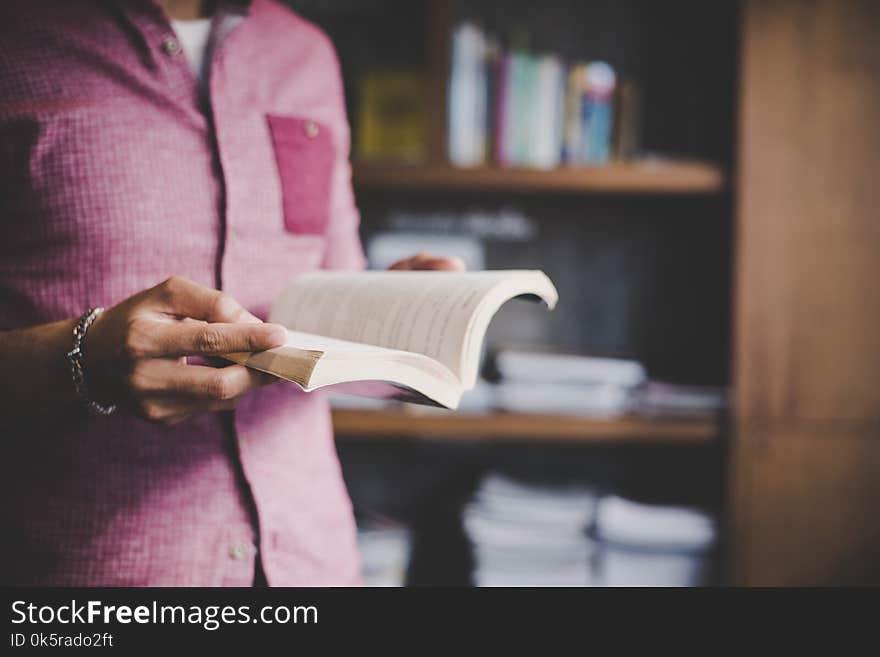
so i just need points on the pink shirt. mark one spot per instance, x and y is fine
(113, 178)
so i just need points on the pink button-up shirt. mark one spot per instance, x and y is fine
(113, 176)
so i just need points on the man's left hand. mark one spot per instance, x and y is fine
(425, 261)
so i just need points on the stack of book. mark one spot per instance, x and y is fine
(529, 535)
(522, 109)
(548, 382)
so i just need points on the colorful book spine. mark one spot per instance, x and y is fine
(526, 110)
(598, 114)
(502, 110)
(573, 129)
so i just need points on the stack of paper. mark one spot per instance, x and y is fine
(667, 399)
(650, 545)
(385, 554)
(546, 382)
(527, 535)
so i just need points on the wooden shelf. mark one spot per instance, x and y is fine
(648, 177)
(400, 424)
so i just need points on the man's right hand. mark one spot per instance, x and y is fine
(136, 352)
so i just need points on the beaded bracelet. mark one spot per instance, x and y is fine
(75, 358)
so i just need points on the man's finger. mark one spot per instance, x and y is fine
(185, 298)
(224, 384)
(440, 264)
(427, 262)
(169, 379)
(215, 339)
(172, 410)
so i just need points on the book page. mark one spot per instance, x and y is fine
(430, 313)
(315, 361)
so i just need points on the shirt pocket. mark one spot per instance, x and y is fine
(304, 155)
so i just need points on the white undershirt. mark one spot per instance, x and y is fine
(193, 36)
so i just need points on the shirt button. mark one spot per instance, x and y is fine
(171, 46)
(238, 551)
(311, 129)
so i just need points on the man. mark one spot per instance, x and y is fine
(131, 458)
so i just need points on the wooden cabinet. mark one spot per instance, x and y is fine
(804, 509)
(805, 459)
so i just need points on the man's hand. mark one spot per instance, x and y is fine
(137, 351)
(425, 261)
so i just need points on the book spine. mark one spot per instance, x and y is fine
(573, 129)
(545, 154)
(526, 111)
(627, 119)
(467, 97)
(598, 113)
(559, 111)
(518, 108)
(480, 92)
(492, 65)
(502, 111)
(453, 110)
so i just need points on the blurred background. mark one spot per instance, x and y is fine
(699, 180)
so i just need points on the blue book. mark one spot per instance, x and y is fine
(598, 114)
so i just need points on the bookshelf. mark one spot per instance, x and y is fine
(798, 459)
(498, 426)
(649, 177)
(640, 250)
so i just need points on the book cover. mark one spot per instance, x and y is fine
(392, 116)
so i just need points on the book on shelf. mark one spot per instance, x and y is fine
(590, 95)
(524, 109)
(627, 121)
(468, 84)
(410, 335)
(392, 117)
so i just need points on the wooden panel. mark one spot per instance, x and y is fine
(805, 506)
(629, 178)
(518, 427)
(808, 253)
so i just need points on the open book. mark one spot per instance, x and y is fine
(413, 335)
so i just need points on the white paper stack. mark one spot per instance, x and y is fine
(650, 545)
(595, 401)
(528, 535)
(658, 399)
(385, 554)
(551, 367)
(546, 382)
(384, 249)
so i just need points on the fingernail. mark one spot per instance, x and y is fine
(276, 334)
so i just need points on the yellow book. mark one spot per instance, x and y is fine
(392, 116)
